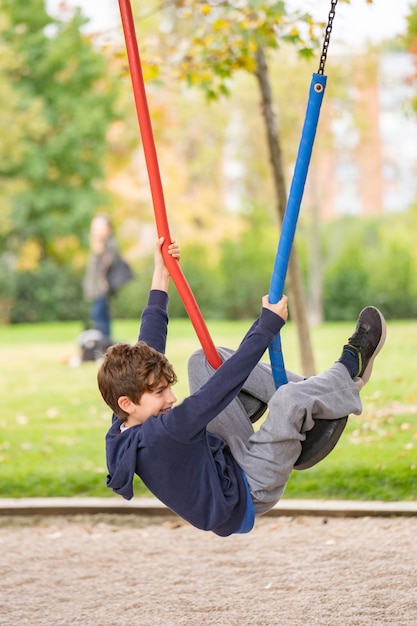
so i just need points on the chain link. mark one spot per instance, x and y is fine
(328, 32)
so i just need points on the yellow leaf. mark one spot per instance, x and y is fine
(29, 255)
(220, 25)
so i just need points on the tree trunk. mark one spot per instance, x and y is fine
(294, 282)
(315, 287)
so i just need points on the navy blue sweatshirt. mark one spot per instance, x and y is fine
(187, 468)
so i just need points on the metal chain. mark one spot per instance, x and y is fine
(328, 32)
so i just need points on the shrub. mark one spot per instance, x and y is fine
(48, 293)
(7, 291)
(345, 291)
(393, 286)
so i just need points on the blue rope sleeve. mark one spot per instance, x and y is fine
(289, 223)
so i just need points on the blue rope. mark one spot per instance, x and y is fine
(289, 223)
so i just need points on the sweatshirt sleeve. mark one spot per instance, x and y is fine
(154, 321)
(195, 412)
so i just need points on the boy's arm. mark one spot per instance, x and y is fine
(154, 321)
(196, 411)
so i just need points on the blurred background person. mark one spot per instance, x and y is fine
(104, 253)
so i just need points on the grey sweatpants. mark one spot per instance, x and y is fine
(268, 455)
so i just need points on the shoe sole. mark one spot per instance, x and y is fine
(368, 369)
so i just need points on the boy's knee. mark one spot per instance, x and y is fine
(199, 370)
(282, 395)
(197, 357)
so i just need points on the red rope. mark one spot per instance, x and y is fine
(151, 158)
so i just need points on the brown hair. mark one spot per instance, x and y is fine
(131, 371)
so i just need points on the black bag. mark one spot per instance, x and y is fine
(119, 274)
(93, 344)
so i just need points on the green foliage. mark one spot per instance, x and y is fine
(231, 286)
(7, 291)
(60, 73)
(346, 286)
(394, 287)
(47, 293)
(247, 268)
(52, 292)
(370, 261)
(364, 262)
(219, 38)
(7, 281)
(205, 279)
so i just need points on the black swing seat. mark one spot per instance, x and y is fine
(319, 441)
(254, 408)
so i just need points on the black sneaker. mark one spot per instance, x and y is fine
(368, 339)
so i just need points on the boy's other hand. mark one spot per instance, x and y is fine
(174, 250)
(280, 308)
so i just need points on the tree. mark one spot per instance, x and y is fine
(18, 126)
(61, 80)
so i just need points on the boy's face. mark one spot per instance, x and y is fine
(152, 403)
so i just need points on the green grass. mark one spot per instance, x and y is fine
(53, 421)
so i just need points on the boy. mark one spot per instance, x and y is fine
(202, 458)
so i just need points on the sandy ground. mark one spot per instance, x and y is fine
(134, 571)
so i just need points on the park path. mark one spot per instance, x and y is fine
(133, 570)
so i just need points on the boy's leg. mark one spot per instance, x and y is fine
(233, 421)
(234, 418)
(260, 383)
(269, 455)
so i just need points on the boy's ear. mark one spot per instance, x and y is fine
(126, 404)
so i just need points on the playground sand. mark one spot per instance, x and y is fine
(129, 570)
